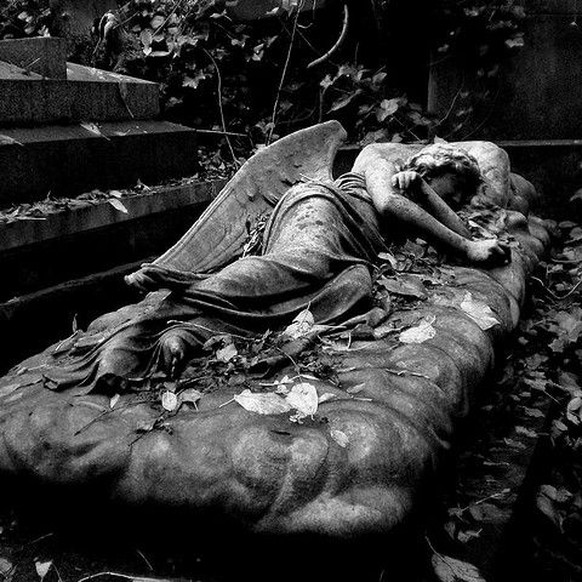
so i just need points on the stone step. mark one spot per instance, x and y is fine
(70, 160)
(87, 236)
(72, 264)
(86, 94)
(31, 322)
(44, 55)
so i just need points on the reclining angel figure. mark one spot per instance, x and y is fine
(319, 247)
(361, 460)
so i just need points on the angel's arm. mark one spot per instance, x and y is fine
(379, 173)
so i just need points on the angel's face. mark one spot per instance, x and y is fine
(450, 187)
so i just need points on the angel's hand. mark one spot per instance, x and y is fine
(403, 180)
(488, 253)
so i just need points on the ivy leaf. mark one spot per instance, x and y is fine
(42, 568)
(344, 101)
(388, 107)
(449, 569)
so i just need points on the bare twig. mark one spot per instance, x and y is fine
(338, 43)
(143, 557)
(220, 132)
(284, 73)
(551, 294)
(220, 108)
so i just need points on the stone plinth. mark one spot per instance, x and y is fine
(45, 56)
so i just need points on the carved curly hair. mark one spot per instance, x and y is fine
(440, 158)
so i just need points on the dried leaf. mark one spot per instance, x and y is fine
(389, 258)
(6, 570)
(169, 401)
(479, 312)
(118, 205)
(418, 334)
(42, 568)
(325, 397)
(227, 353)
(405, 286)
(262, 403)
(93, 128)
(341, 438)
(559, 495)
(190, 395)
(303, 397)
(6, 140)
(449, 569)
(468, 535)
(301, 325)
(526, 432)
(146, 38)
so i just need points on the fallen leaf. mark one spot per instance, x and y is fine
(113, 400)
(301, 325)
(325, 397)
(405, 286)
(118, 205)
(418, 334)
(303, 397)
(169, 401)
(389, 258)
(479, 312)
(262, 403)
(6, 140)
(559, 495)
(42, 568)
(93, 128)
(573, 410)
(468, 535)
(6, 570)
(227, 353)
(341, 438)
(526, 432)
(190, 395)
(449, 569)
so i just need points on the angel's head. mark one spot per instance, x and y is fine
(453, 173)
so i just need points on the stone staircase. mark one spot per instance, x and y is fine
(66, 130)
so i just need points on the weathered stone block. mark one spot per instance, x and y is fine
(46, 56)
(69, 160)
(87, 95)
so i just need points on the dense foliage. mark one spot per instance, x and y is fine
(256, 79)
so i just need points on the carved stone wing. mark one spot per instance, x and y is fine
(218, 236)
